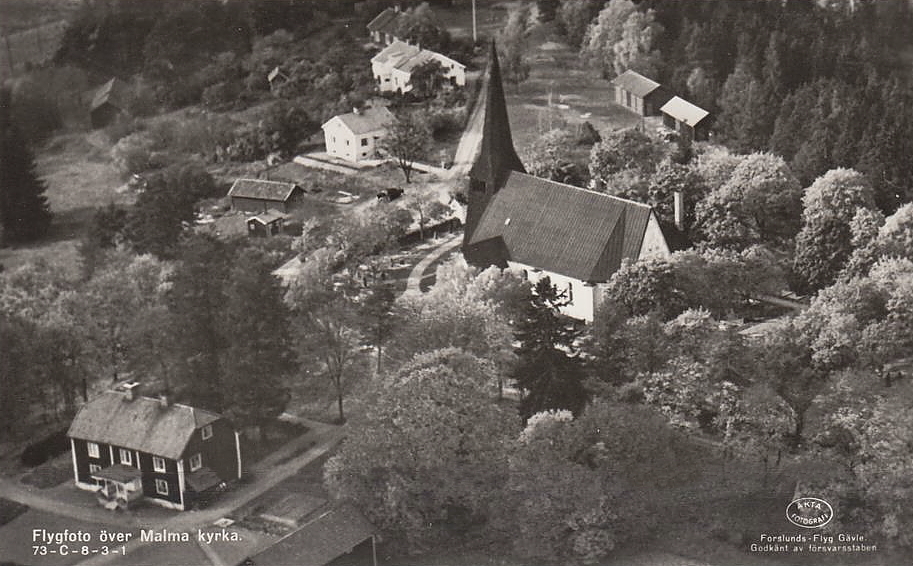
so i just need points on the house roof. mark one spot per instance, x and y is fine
(635, 83)
(111, 92)
(384, 20)
(120, 473)
(143, 424)
(405, 57)
(262, 189)
(563, 229)
(273, 74)
(268, 217)
(684, 111)
(395, 53)
(407, 64)
(320, 541)
(365, 121)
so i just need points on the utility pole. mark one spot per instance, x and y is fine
(475, 34)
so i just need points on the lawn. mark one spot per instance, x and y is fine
(559, 92)
(80, 177)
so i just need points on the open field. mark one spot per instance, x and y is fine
(80, 178)
(558, 93)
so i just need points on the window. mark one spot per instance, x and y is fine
(94, 468)
(364, 142)
(196, 462)
(93, 450)
(158, 464)
(161, 487)
(207, 432)
(570, 292)
(126, 457)
(347, 142)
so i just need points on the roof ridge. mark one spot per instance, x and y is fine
(629, 201)
(264, 181)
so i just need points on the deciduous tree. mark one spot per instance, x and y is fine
(407, 141)
(824, 245)
(428, 457)
(759, 203)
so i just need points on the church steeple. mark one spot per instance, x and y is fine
(495, 156)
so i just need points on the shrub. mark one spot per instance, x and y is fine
(40, 452)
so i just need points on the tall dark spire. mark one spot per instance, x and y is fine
(495, 156)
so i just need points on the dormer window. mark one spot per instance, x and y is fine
(206, 432)
(196, 462)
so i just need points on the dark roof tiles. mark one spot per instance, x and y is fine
(563, 229)
(143, 424)
(262, 189)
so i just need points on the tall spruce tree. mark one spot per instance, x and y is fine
(548, 371)
(24, 211)
(258, 356)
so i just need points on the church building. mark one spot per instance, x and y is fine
(577, 237)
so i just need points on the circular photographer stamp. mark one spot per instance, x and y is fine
(809, 512)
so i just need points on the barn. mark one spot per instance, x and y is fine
(260, 195)
(691, 121)
(640, 94)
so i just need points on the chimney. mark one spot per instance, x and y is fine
(679, 205)
(131, 389)
(164, 400)
(355, 110)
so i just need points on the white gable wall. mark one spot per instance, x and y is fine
(342, 143)
(583, 296)
(654, 244)
(452, 69)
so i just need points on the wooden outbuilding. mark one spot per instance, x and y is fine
(639, 93)
(690, 121)
(260, 195)
(268, 223)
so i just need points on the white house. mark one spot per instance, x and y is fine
(393, 66)
(355, 136)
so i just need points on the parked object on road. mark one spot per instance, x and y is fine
(389, 195)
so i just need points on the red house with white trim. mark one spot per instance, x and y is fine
(127, 447)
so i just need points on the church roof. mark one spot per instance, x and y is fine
(495, 155)
(560, 228)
